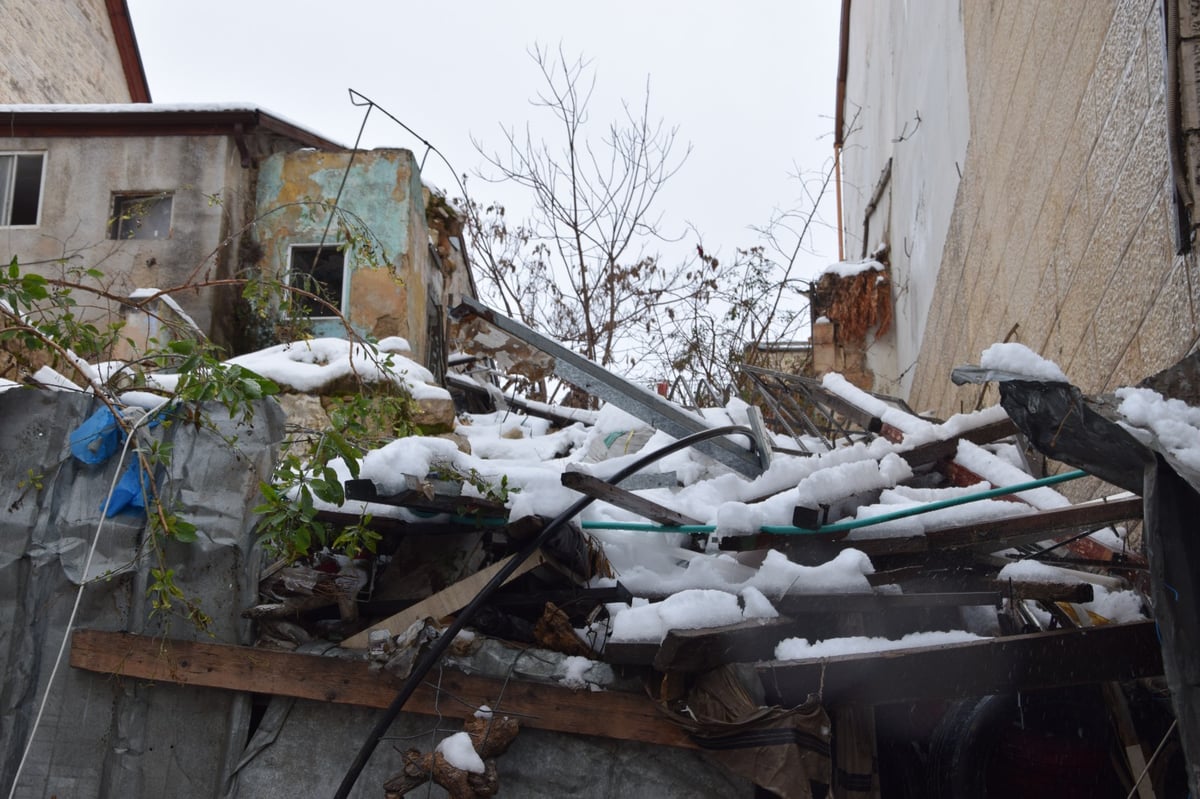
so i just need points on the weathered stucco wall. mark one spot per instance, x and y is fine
(1060, 237)
(389, 286)
(905, 101)
(59, 51)
(81, 176)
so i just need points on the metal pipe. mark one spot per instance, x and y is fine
(854, 524)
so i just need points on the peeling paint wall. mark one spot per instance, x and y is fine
(390, 276)
(1061, 232)
(905, 62)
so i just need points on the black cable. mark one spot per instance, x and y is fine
(435, 652)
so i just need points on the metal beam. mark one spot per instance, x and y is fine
(636, 400)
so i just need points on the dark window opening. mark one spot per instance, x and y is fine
(320, 271)
(20, 188)
(141, 216)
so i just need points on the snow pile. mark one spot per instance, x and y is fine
(313, 364)
(852, 268)
(801, 649)
(916, 430)
(1174, 423)
(574, 669)
(1019, 359)
(460, 753)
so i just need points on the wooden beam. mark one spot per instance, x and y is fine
(1008, 532)
(953, 671)
(1037, 526)
(446, 602)
(609, 714)
(626, 500)
(936, 451)
(701, 650)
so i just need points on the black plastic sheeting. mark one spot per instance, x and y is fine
(1083, 432)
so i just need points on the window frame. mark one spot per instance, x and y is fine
(8, 191)
(337, 246)
(116, 223)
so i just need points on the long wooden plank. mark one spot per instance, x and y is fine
(446, 602)
(952, 671)
(999, 533)
(626, 500)
(610, 714)
(1036, 526)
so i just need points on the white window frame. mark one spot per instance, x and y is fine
(341, 246)
(6, 191)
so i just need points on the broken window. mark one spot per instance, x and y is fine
(319, 270)
(141, 216)
(20, 188)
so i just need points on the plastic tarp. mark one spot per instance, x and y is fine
(102, 737)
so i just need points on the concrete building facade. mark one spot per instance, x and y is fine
(70, 51)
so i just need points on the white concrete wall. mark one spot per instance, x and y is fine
(906, 59)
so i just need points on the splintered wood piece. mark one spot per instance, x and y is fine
(626, 500)
(608, 714)
(700, 650)
(974, 668)
(444, 603)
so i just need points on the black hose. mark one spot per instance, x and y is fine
(435, 652)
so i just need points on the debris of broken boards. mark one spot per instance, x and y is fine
(1049, 635)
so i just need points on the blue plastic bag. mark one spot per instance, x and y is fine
(130, 490)
(97, 438)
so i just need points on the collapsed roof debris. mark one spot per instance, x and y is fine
(801, 621)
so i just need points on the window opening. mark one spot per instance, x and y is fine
(320, 270)
(141, 216)
(20, 188)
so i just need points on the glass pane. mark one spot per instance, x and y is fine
(27, 190)
(141, 216)
(322, 276)
(6, 164)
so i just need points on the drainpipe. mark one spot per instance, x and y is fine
(1181, 197)
(839, 120)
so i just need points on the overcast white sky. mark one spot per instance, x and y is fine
(751, 86)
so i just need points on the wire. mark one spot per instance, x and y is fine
(83, 582)
(1150, 762)
(438, 648)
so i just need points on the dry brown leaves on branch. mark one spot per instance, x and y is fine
(855, 304)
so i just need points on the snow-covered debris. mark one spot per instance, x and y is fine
(313, 364)
(801, 649)
(915, 429)
(1000, 472)
(1174, 423)
(1018, 359)
(574, 672)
